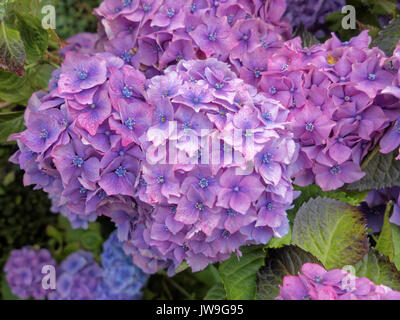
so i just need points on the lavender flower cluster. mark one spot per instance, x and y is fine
(78, 277)
(97, 143)
(154, 34)
(24, 272)
(315, 283)
(341, 104)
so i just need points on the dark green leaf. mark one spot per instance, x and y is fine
(35, 38)
(239, 274)
(308, 39)
(11, 123)
(382, 171)
(379, 270)
(217, 292)
(334, 232)
(385, 242)
(12, 50)
(280, 263)
(388, 37)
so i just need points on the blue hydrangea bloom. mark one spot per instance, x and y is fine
(122, 280)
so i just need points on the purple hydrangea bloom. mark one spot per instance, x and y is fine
(24, 272)
(78, 277)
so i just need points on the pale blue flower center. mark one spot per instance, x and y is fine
(93, 106)
(199, 206)
(203, 183)
(77, 161)
(170, 13)
(179, 57)
(225, 234)
(126, 56)
(121, 171)
(82, 190)
(219, 85)
(160, 179)
(102, 194)
(267, 116)
(309, 127)
(186, 126)
(162, 118)
(82, 74)
(193, 8)
(347, 98)
(372, 76)
(121, 153)
(127, 92)
(272, 90)
(358, 117)
(212, 36)
(257, 72)
(267, 158)
(127, 3)
(146, 7)
(231, 212)
(44, 134)
(269, 206)
(335, 170)
(196, 100)
(130, 123)
(236, 189)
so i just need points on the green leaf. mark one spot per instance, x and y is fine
(388, 37)
(10, 122)
(91, 240)
(217, 292)
(385, 242)
(396, 244)
(382, 171)
(12, 50)
(334, 232)
(239, 274)
(384, 7)
(379, 270)
(308, 39)
(54, 233)
(351, 197)
(280, 263)
(35, 38)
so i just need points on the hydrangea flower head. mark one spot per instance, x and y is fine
(23, 271)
